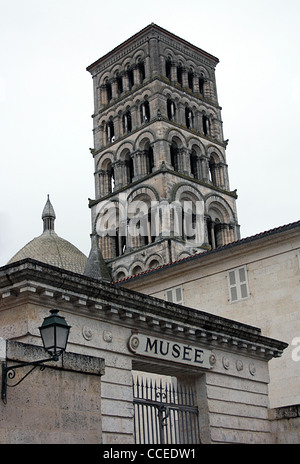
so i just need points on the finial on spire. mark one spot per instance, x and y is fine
(48, 215)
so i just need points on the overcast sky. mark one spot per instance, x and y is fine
(46, 101)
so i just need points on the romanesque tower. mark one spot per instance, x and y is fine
(161, 181)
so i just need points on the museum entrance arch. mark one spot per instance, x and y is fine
(167, 389)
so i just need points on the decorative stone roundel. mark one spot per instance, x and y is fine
(87, 333)
(252, 369)
(226, 363)
(239, 365)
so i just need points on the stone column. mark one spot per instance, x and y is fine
(181, 113)
(196, 84)
(98, 136)
(206, 88)
(173, 72)
(119, 171)
(153, 46)
(205, 168)
(114, 88)
(102, 182)
(184, 161)
(161, 153)
(198, 165)
(147, 67)
(117, 124)
(206, 241)
(103, 95)
(136, 75)
(134, 117)
(125, 82)
(185, 79)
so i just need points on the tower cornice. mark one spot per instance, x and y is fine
(157, 32)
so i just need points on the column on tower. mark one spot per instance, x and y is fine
(173, 72)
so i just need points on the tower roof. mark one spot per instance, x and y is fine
(51, 249)
(156, 29)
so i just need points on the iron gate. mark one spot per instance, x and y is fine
(164, 414)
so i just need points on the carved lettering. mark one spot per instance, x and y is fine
(172, 351)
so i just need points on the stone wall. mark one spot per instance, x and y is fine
(286, 425)
(273, 269)
(59, 405)
(65, 404)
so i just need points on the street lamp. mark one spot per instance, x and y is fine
(55, 333)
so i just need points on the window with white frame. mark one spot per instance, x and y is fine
(238, 284)
(175, 295)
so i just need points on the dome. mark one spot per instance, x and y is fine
(51, 249)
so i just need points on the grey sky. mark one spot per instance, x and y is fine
(46, 102)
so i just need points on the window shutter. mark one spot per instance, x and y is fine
(238, 284)
(170, 296)
(175, 295)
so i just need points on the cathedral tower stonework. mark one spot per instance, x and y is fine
(161, 181)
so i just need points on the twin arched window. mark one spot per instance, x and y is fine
(127, 125)
(194, 83)
(208, 168)
(124, 81)
(124, 171)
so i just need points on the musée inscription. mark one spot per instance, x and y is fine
(146, 345)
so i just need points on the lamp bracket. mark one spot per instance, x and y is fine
(9, 372)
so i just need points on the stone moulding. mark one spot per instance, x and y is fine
(40, 282)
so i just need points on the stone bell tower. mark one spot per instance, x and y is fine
(161, 181)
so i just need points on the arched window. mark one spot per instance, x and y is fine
(179, 74)
(119, 85)
(126, 121)
(129, 168)
(120, 243)
(108, 91)
(214, 232)
(145, 112)
(212, 170)
(171, 108)
(206, 125)
(174, 153)
(149, 158)
(168, 68)
(201, 84)
(191, 80)
(130, 78)
(141, 68)
(110, 131)
(193, 161)
(107, 177)
(189, 118)
(188, 213)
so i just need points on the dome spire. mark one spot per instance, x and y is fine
(48, 216)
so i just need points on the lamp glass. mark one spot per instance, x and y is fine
(54, 332)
